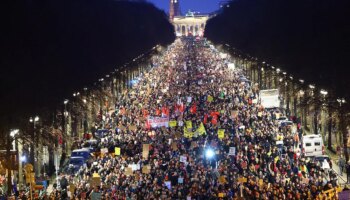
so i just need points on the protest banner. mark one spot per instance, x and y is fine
(189, 124)
(155, 122)
(221, 133)
(201, 129)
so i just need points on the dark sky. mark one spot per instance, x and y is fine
(203, 6)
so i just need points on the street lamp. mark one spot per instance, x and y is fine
(341, 101)
(312, 86)
(301, 80)
(278, 70)
(33, 120)
(323, 92)
(32, 148)
(14, 132)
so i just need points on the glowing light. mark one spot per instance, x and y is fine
(23, 158)
(209, 153)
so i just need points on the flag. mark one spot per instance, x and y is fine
(193, 109)
(201, 129)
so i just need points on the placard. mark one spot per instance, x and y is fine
(222, 180)
(132, 128)
(128, 171)
(183, 159)
(232, 151)
(221, 133)
(180, 180)
(168, 184)
(117, 151)
(174, 146)
(242, 180)
(104, 151)
(95, 181)
(146, 169)
(172, 123)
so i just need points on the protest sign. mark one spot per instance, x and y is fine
(172, 123)
(210, 98)
(146, 169)
(180, 180)
(174, 146)
(95, 181)
(183, 159)
(232, 151)
(221, 133)
(128, 171)
(117, 151)
(168, 184)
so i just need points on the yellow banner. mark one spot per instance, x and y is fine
(117, 151)
(172, 123)
(221, 133)
(189, 124)
(201, 129)
(187, 134)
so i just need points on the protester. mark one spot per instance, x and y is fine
(221, 143)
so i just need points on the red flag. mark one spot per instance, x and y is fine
(205, 120)
(157, 112)
(193, 108)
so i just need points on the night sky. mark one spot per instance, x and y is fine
(202, 6)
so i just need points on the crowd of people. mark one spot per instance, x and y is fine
(219, 142)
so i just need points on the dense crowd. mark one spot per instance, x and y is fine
(214, 111)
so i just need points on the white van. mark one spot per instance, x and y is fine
(312, 145)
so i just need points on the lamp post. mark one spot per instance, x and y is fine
(34, 121)
(343, 129)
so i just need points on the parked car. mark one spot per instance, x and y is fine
(312, 145)
(75, 163)
(324, 161)
(91, 144)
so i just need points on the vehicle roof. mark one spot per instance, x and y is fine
(81, 150)
(322, 156)
(77, 157)
(311, 136)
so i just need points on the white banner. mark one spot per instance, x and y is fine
(155, 122)
(269, 98)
